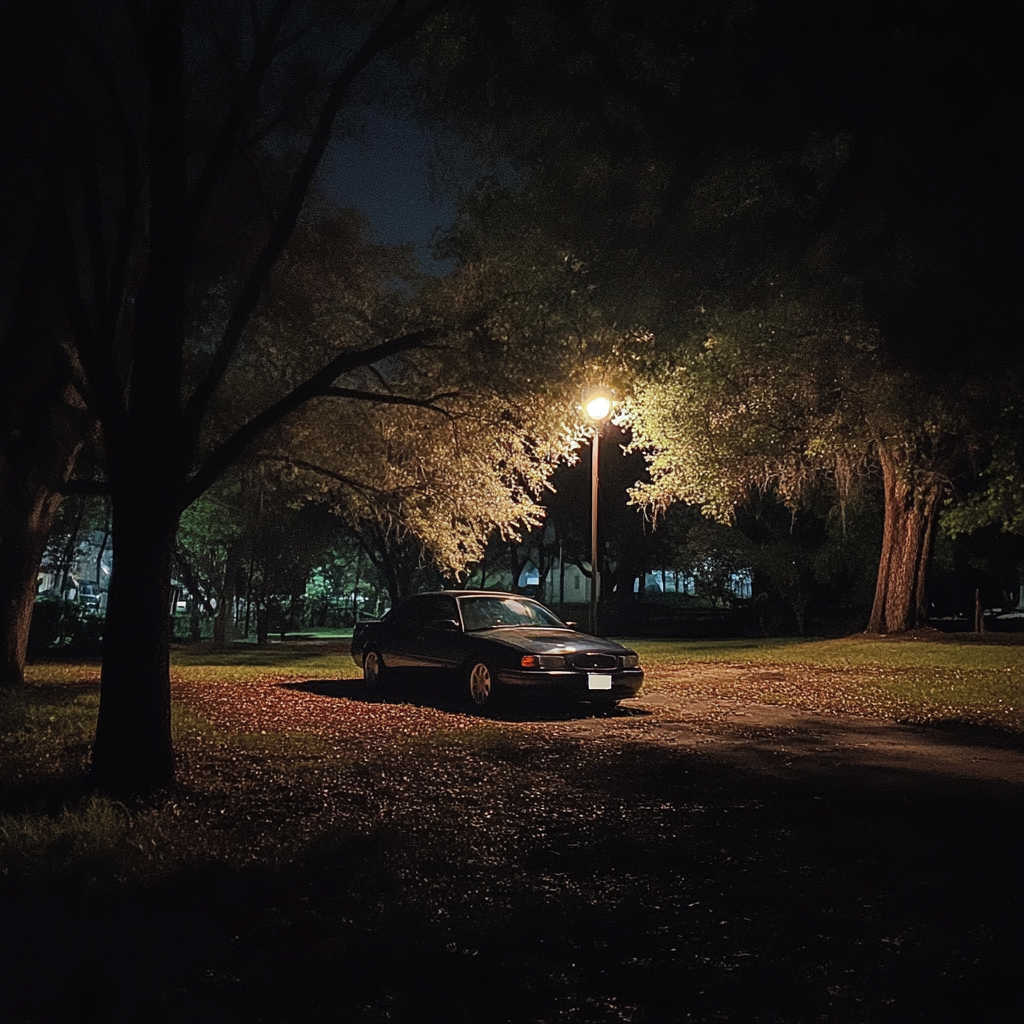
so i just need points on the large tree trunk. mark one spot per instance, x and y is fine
(133, 751)
(27, 520)
(44, 425)
(224, 621)
(146, 463)
(911, 511)
(42, 447)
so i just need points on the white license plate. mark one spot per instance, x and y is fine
(599, 681)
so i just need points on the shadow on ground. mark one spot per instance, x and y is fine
(559, 881)
(442, 695)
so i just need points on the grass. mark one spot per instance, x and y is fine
(921, 681)
(295, 656)
(499, 874)
(44, 741)
(916, 680)
(53, 829)
(848, 652)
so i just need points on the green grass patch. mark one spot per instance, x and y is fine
(911, 680)
(45, 735)
(88, 843)
(63, 672)
(240, 662)
(52, 828)
(831, 653)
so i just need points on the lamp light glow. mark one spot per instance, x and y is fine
(598, 408)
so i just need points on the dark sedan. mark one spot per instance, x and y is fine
(494, 644)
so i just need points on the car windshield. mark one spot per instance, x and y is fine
(488, 612)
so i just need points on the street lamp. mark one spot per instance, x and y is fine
(598, 408)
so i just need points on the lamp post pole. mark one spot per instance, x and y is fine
(595, 578)
(599, 408)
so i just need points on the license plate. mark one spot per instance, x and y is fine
(599, 681)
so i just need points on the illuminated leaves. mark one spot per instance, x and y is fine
(467, 431)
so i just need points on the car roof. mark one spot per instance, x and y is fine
(469, 593)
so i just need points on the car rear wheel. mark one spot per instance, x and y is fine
(481, 685)
(373, 668)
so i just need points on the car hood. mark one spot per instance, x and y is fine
(546, 640)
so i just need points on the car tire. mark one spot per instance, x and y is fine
(374, 669)
(482, 686)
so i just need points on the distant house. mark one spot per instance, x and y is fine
(565, 584)
(569, 584)
(677, 581)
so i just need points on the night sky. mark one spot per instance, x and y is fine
(385, 173)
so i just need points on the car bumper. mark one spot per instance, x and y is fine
(625, 684)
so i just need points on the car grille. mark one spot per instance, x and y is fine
(592, 661)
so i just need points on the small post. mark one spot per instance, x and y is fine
(594, 575)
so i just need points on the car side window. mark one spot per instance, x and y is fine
(440, 608)
(407, 615)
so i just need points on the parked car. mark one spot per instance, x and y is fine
(492, 644)
(90, 598)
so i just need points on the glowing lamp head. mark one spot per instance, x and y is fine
(598, 408)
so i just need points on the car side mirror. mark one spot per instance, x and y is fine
(573, 625)
(448, 625)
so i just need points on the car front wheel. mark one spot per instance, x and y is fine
(481, 685)
(373, 668)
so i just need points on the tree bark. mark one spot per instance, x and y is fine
(133, 752)
(911, 510)
(146, 455)
(44, 425)
(28, 518)
(224, 621)
(35, 464)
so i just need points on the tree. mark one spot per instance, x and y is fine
(784, 398)
(215, 534)
(46, 427)
(468, 447)
(747, 159)
(999, 500)
(44, 421)
(149, 126)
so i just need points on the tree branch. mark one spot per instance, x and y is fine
(111, 313)
(383, 399)
(346, 362)
(391, 29)
(192, 580)
(356, 485)
(223, 149)
(96, 362)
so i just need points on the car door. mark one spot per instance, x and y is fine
(440, 646)
(400, 641)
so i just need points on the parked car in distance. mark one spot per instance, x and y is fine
(492, 644)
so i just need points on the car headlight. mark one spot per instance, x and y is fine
(542, 661)
(631, 661)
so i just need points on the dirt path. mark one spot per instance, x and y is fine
(746, 733)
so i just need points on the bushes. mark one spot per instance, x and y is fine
(64, 627)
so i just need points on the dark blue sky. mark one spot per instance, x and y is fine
(385, 173)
